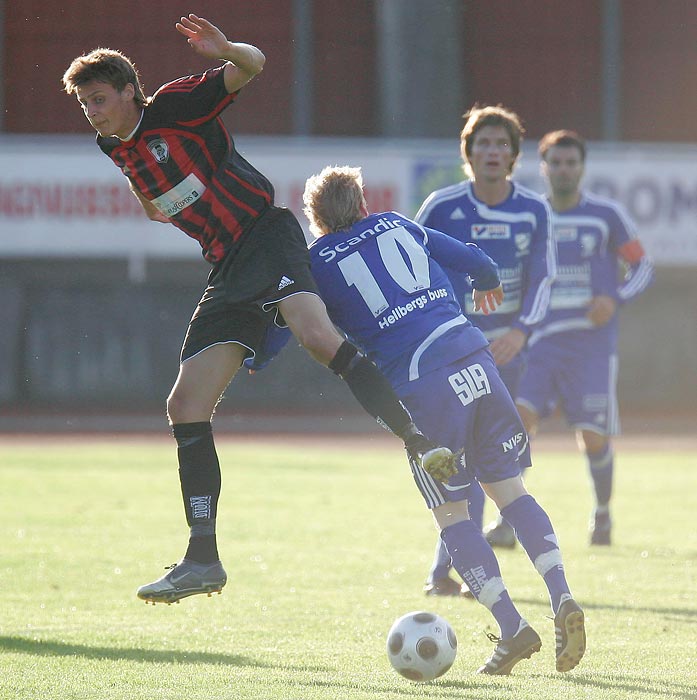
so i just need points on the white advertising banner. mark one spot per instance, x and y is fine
(656, 185)
(61, 197)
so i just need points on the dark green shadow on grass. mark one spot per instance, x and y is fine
(37, 647)
(614, 682)
(605, 681)
(507, 687)
(674, 614)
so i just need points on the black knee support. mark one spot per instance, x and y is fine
(345, 359)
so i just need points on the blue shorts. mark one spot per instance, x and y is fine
(577, 371)
(465, 405)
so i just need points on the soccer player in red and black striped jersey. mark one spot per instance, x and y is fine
(182, 165)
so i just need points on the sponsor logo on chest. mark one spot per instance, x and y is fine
(565, 234)
(490, 232)
(179, 197)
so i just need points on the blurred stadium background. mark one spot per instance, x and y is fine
(95, 298)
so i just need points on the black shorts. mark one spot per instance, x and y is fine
(271, 263)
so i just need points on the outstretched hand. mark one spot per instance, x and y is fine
(487, 302)
(204, 37)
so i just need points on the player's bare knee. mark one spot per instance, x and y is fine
(593, 442)
(450, 513)
(320, 343)
(183, 408)
(175, 408)
(504, 492)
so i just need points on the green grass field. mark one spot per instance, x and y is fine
(324, 546)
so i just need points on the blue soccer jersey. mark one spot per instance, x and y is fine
(571, 362)
(383, 285)
(383, 288)
(515, 234)
(594, 240)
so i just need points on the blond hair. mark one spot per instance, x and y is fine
(333, 199)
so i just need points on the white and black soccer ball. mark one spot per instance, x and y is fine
(421, 646)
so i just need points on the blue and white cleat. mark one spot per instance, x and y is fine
(509, 652)
(570, 632)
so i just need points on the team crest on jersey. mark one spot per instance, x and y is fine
(565, 234)
(588, 243)
(522, 242)
(159, 149)
(489, 232)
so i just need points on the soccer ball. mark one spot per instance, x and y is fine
(421, 646)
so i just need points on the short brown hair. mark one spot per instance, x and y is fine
(562, 137)
(490, 115)
(104, 66)
(333, 199)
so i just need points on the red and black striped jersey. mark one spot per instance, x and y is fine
(183, 159)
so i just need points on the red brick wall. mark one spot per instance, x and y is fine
(540, 58)
(345, 55)
(42, 39)
(659, 99)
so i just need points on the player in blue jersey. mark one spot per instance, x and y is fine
(182, 165)
(382, 281)
(572, 359)
(511, 224)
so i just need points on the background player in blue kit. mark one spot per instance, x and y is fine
(511, 224)
(182, 165)
(573, 353)
(381, 278)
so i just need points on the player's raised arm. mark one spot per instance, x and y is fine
(244, 61)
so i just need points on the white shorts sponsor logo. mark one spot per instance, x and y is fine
(508, 445)
(470, 383)
(180, 196)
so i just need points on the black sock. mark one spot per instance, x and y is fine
(202, 549)
(371, 389)
(199, 474)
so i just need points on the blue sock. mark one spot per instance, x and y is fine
(476, 562)
(601, 466)
(536, 535)
(475, 504)
(442, 562)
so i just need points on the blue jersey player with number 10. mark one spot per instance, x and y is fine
(381, 279)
